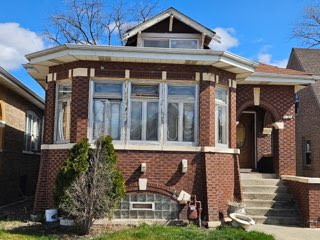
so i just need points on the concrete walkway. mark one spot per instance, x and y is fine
(288, 233)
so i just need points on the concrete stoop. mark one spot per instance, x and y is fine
(267, 200)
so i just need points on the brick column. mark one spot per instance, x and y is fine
(79, 108)
(232, 118)
(49, 114)
(285, 149)
(206, 113)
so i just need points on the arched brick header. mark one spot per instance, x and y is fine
(263, 104)
(152, 187)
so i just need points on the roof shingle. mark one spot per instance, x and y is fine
(265, 68)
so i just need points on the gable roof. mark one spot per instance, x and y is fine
(18, 87)
(305, 59)
(176, 14)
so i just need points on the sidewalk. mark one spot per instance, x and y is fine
(288, 233)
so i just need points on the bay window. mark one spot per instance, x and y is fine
(221, 117)
(181, 113)
(144, 113)
(32, 132)
(107, 109)
(63, 113)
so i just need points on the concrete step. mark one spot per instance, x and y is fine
(264, 189)
(269, 182)
(253, 175)
(260, 211)
(269, 203)
(288, 221)
(266, 196)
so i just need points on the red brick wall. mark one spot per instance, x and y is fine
(308, 127)
(279, 100)
(219, 180)
(307, 197)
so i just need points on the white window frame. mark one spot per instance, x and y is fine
(226, 145)
(34, 117)
(195, 101)
(56, 112)
(144, 114)
(91, 107)
(142, 209)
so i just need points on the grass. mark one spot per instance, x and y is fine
(10, 231)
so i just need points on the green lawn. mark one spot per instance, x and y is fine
(144, 232)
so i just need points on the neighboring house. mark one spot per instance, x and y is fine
(178, 113)
(21, 113)
(307, 113)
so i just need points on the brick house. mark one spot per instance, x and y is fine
(307, 113)
(21, 112)
(183, 117)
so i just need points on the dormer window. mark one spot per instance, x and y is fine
(171, 43)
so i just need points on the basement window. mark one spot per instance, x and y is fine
(146, 206)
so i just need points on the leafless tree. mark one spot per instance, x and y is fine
(307, 29)
(96, 21)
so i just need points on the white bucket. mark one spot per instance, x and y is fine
(51, 215)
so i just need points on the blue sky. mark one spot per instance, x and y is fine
(255, 29)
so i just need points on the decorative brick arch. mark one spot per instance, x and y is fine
(152, 187)
(263, 105)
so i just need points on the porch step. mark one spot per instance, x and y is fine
(272, 212)
(286, 221)
(267, 199)
(254, 175)
(267, 196)
(269, 203)
(264, 189)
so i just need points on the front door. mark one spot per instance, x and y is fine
(246, 140)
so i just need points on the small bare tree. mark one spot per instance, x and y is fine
(96, 192)
(96, 21)
(307, 29)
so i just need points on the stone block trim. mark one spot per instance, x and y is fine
(307, 196)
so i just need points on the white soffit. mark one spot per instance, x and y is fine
(276, 79)
(40, 62)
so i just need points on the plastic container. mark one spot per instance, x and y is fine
(51, 215)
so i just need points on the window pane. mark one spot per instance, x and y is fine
(184, 44)
(173, 121)
(222, 124)
(156, 43)
(113, 89)
(115, 121)
(64, 91)
(63, 121)
(181, 91)
(221, 94)
(98, 118)
(145, 90)
(152, 121)
(136, 121)
(188, 122)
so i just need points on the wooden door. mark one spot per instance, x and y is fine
(246, 140)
